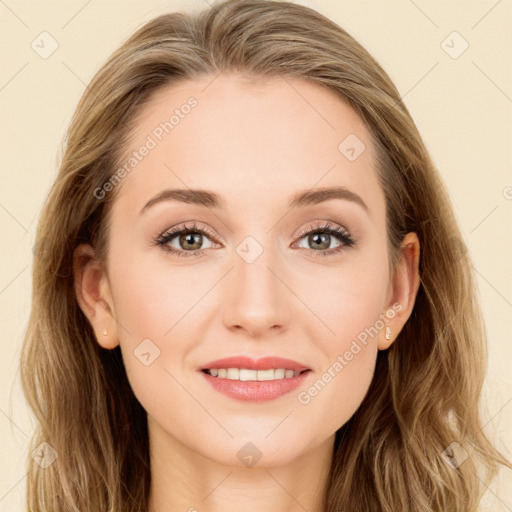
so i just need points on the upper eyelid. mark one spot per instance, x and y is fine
(184, 227)
(323, 225)
(317, 226)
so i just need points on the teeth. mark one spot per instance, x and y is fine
(265, 375)
(233, 374)
(244, 374)
(247, 374)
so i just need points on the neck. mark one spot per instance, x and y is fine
(185, 480)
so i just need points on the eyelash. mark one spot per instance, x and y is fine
(338, 232)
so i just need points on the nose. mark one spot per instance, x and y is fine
(257, 297)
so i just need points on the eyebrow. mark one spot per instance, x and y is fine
(210, 199)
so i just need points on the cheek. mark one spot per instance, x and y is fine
(347, 300)
(342, 383)
(150, 296)
(351, 305)
(146, 309)
(338, 388)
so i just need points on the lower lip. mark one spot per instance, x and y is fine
(256, 391)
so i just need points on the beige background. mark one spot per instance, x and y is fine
(462, 106)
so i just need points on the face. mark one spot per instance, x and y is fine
(257, 275)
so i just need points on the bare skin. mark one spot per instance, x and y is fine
(256, 145)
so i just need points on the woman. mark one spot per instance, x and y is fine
(250, 290)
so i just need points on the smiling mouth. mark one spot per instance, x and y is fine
(250, 385)
(247, 375)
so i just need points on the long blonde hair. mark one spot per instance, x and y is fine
(423, 402)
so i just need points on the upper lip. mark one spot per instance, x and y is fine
(264, 363)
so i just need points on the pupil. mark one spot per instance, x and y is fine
(322, 237)
(189, 239)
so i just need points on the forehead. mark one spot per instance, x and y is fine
(249, 140)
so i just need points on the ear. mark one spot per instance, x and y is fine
(404, 289)
(93, 294)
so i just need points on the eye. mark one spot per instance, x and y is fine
(184, 241)
(189, 240)
(321, 236)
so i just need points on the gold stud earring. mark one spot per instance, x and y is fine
(388, 333)
(104, 332)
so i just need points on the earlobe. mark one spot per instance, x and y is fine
(405, 288)
(93, 295)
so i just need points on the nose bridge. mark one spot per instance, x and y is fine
(258, 298)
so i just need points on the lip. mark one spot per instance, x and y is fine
(264, 363)
(256, 391)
